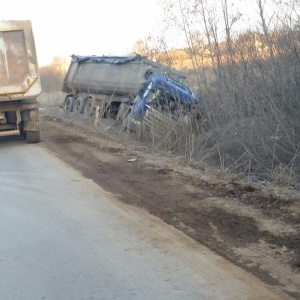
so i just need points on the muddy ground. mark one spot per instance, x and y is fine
(252, 225)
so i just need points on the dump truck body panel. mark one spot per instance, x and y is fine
(19, 81)
(19, 77)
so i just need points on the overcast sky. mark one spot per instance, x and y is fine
(63, 28)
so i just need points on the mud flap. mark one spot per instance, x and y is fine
(31, 120)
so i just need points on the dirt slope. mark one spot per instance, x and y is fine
(256, 227)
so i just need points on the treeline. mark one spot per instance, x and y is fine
(246, 69)
(52, 75)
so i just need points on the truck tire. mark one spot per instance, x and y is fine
(11, 117)
(32, 137)
(88, 108)
(69, 103)
(78, 105)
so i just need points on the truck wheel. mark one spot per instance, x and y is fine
(78, 105)
(68, 104)
(11, 117)
(88, 109)
(32, 137)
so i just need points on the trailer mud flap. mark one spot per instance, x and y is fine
(31, 120)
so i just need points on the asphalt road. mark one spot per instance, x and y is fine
(64, 237)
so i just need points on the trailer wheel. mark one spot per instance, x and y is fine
(69, 103)
(78, 105)
(32, 137)
(88, 108)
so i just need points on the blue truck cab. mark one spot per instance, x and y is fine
(160, 100)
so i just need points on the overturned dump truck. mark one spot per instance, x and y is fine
(19, 81)
(114, 86)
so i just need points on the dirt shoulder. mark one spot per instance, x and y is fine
(256, 227)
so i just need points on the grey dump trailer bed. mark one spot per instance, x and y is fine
(119, 75)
